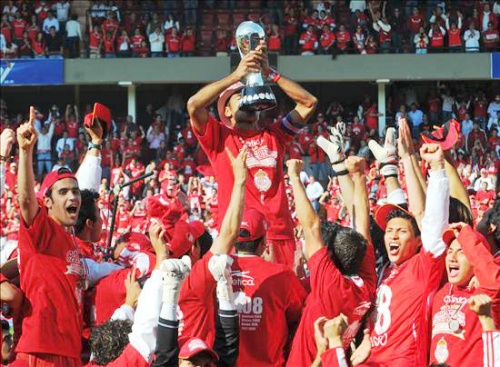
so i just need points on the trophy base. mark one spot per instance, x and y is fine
(257, 98)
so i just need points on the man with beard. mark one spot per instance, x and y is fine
(266, 146)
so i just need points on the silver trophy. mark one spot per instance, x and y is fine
(256, 96)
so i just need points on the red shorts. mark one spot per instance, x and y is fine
(283, 251)
(44, 360)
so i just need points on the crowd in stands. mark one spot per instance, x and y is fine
(206, 27)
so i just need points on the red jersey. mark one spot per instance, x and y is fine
(95, 40)
(110, 294)
(463, 346)
(188, 43)
(454, 39)
(38, 47)
(173, 43)
(72, 128)
(123, 221)
(415, 22)
(18, 27)
(327, 39)
(437, 39)
(332, 293)
(294, 151)
(270, 299)
(109, 45)
(137, 41)
(129, 357)
(371, 121)
(343, 39)
(490, 38)
(332, 212)
(52, 282)
(308, 41)
(7, 32)
(434, 104)
(400, 334)
(109, 25)
(274, 42)
(196, 310)
(265, 189)
(291, 25)
(480, 108)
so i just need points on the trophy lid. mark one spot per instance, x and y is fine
(248, 35)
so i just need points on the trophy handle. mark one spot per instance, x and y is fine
(253, 79)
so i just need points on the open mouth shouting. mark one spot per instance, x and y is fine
(72, 211)
(394, 249)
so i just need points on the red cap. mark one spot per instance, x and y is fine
(255, 223)
(164, 209)
(448, 236)
(446, 135)
(103, 114)
(196, 346)
(224, 97)
(139, 242)
(52, 178)
(182, 239)
(197, 228)
(384, 211)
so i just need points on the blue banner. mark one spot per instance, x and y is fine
(17, 72)
(495, 65)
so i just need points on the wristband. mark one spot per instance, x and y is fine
(342, 173)
(273, 76)
(4, 158)
(94, 146)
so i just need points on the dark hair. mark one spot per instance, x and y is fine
(397, 213)
(346, 247)
(491, 217)
(459, 212)
(205, 242)
(248, 246)
(87, 209)
(108, 340)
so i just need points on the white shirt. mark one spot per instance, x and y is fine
(156, 41)
(486, 20)
(3, 43)
(43, 141)
(73, 29)
(47, 23)
(10, 10)
(471, 39)
(65, 141)
(357, 5)
(448, 102)
(467, 126)
(62, 10)
(496, 8)
(493, 109)
(314, 191)
(416, 117)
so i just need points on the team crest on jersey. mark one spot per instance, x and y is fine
(441, 353)
(449, 320)
(262, 181)
(74, 265)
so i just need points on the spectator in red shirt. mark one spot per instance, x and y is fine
(454, 34)
(124, 44)
(343, 39)
(6, 28)
(95, 42)
(415, 22)
(490, 38)
(136, 40)
(143, 50)
(274, 43)
(371, 45)
(19, 25)
(188, 43)
(25, 48)
(109, 44)
(221, 42)
(327, 40)
(173, 43)
(308, 41)
(110, 24)
(436, 36)
(291, 33)
(33, 29)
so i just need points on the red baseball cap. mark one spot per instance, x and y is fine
(196, 346)
(164, 209)
(53, 177)
(101, 113)
(197, 228)
(139, 242)
(446, 135)
(224, 97)
(184, 236)
(255, 223)
(449, 236)
(383, 212)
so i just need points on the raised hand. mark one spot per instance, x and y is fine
(95, 131)
(386, 155)
(334, 329)
(26, 133)
(334, 147)
(434, 155)
(240, 170)
(294, 167)
(250, 63)
(133, 289)
(405, 141)
(156, 235)
(355, 165)
(7, 139)
(481, 304)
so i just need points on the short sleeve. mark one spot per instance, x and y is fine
(210, 141)
(36, 237)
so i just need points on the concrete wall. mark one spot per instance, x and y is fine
(403, 67)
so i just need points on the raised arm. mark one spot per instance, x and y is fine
(416, 193)
(26, 138)
(360, 213)
(457, 188)
(89, 173)
(308, 219)
(7, 138)
(232, 219)
(436, 215)
(197, 105)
